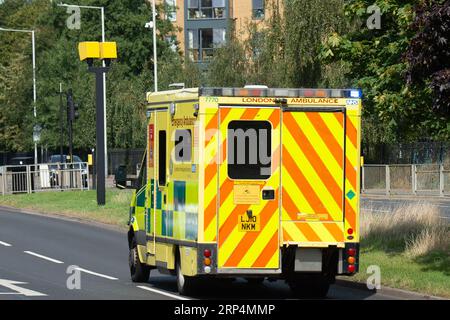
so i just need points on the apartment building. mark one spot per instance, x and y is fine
(203, 24)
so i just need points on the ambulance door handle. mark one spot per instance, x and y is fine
(165, 199)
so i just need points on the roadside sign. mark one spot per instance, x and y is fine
(37, 133)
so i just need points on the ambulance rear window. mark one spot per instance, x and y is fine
(249, 150)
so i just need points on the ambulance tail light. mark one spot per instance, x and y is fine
(351, 252)
(350, 258)
(351, 268)
(207, 260)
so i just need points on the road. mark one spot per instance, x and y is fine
(380, 204)
(36, 251)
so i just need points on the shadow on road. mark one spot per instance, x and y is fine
(213, 289)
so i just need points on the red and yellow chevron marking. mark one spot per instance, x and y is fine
(237, 249)
(299, 231)
(210, 183)
(318, 148)
(313, 176)
(352, 176)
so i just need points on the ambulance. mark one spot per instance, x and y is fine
(254, 183)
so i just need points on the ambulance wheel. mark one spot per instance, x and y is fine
(185, 284)
(309, 286)
(139, 271)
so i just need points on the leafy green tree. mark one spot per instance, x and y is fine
(428, 55)
(284, 50)
(229, 66)
(377, 65)
(130, 78)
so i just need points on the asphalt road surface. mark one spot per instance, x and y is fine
(36, 251)
(379, 204)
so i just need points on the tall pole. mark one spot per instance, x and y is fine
(102, 10)
(104, 97)
(61, 122)
(99, 130)
(155, 57)
(33, 45)
(34, 91)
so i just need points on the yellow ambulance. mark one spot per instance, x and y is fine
(251, 182)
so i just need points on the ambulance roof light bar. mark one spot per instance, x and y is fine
(262, 91)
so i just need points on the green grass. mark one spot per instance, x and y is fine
(77, 204)
(411, 245)
(429, 274)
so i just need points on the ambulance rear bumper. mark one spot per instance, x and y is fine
(314, 258)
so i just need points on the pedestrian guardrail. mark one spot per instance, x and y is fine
(44, 177)
(413, 179)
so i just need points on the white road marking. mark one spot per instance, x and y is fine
(96, 274)
(163, 293)
(43, 257)
(5, 244)
(12, 285)
(9, 293)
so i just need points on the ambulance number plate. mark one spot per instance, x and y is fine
(248, 224)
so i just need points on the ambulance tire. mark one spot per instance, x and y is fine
(139, 271)
(186, 285)
(309, 286)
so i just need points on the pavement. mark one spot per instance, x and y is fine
(38, 256)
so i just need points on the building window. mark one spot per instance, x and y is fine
(258, 9)
(172, 42)
(171, 10)
(203, 42)
(206, 9)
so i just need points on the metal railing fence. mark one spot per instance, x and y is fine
(414, 179)
(44, 177)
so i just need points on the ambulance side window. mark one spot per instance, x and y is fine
(249, 151)
(162, 154)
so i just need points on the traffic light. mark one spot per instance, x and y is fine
(72, 107)
(76, 114)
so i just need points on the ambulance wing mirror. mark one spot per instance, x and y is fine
(196, 109)
(173, 109)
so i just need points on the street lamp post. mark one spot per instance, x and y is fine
(152, 25)
(33, 46)
(102, 10)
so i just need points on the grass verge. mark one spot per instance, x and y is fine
(410, 245)
(76, 204)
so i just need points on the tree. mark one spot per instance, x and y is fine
(282, 51)
(428, 55)
(130, 78)
(228, 67)
(393, 111)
